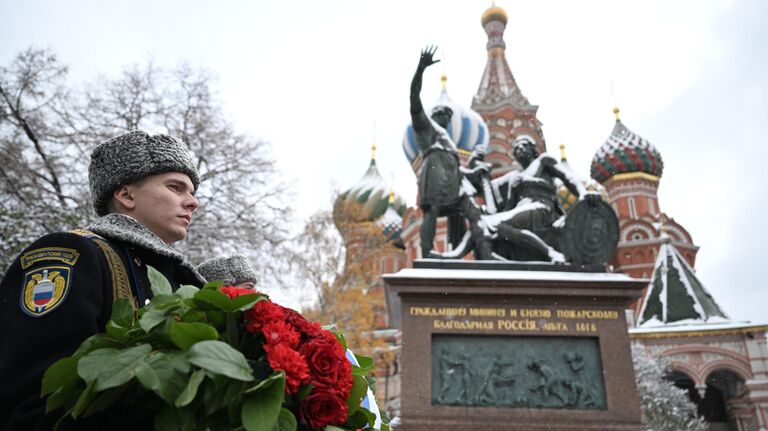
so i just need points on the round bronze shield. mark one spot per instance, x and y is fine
(590, 234)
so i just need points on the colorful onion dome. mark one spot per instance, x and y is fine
(494, 13)
(392, 223)
(467, 128)
(624, 152)
(368, 199)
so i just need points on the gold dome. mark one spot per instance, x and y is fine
(494, 13)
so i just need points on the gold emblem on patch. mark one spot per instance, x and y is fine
(68, 256)
(44, 289)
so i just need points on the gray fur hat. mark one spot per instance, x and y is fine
(232, 270)
(132, 156)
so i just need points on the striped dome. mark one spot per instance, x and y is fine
(392, 225)
(625, 152)
(467, 129)
(368, 199)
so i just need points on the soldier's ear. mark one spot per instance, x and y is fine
(123, 198)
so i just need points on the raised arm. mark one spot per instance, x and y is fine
(418, 116)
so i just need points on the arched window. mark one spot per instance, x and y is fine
(722, 385)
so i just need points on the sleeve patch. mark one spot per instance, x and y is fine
(44, 289)
(65, 255)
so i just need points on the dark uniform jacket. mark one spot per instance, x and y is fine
(440, 179)
(57, 293)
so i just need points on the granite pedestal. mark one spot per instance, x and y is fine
(513, 347)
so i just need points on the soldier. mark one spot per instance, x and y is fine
(233, 270)
(60, 289)
(440, 188)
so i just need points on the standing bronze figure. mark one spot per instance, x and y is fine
(440, 188)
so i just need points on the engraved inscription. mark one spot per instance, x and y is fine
(550, 320)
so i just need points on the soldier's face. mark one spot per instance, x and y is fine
(524, 154)
(246, 285)
(442, 116)
(164, 204)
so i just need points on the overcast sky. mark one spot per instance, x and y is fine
(323, 80)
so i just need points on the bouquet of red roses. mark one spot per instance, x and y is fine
(214, 358)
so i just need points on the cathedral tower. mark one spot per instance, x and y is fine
(499, 100)
(630, 168)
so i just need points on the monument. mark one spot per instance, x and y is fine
(532, 334)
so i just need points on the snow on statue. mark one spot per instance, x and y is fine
(521, 218)
(440, 182)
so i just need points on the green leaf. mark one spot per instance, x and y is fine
(160, 284)
(84, 400)
(61, 373)
(190, 391)
(147, 377)
(187, 291)
(362, 418)
(220, 358)
(286, 421)
(244, 302)
(213, 299)
(165, 374)
(95, 342)
(333, 428)
(262, 409)
(122, 313)
(356, 395)
(104, 400)
(340, 338)
(185, 334)
(116, 330)
(152, 318)
(91, 365)
(266, 382)
(233, 393)
(365, 364)
(65, 395)
(213, 285)
(164, 301)
(111, 367)
(193, 316)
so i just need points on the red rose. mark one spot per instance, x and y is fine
(283, 358)
(280, 332)
(328, 363)
(305, 327)
(263, 312)
(322, 407)
(234, 291)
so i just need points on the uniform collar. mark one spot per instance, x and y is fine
(124, 228)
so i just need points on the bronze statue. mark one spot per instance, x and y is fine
(440, 180)
(531, 205)
(522, 219)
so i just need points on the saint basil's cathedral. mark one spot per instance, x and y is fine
(722, 362)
